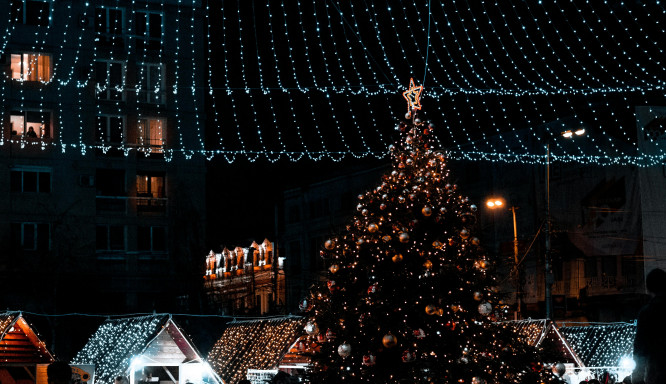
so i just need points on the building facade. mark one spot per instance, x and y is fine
(96, 153)
(245, 280)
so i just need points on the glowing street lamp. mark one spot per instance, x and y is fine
(498, 203)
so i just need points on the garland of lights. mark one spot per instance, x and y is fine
(500, 75)
(258, 344)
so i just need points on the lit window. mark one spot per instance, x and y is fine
(31, 12)
(150, 134)
(148, 30)
(110, 76)
(30, 124)
(151, 83)
(30, 179)
(31, 67)
(109, 129)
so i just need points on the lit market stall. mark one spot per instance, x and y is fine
(147, 349)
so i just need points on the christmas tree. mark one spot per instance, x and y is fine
(411, 295)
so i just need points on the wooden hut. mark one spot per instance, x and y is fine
(258, 349)
(146, 349)
(23, 356)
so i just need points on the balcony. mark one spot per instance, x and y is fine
(146, 203)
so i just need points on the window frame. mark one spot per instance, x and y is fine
(24, 12)
(146, 36)
(108, 246)
(23, 73)
(107, 32)
(36, 235)
(35, 169)
(106, 91)
(143, 141)
(144, 95)
(108, 129)
(47, 134)
(151, 241)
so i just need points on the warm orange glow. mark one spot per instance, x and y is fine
(494, 203)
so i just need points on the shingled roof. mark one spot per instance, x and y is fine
(253, 344)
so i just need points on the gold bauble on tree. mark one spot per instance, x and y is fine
(397, 258)
(426, 211)
(427, 264)
(464, 234)
(430, 309)
(334, 268)
(329, 244)
(372, 228)
(389, 341)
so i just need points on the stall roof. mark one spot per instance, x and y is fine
(19, 344)
(254, 344)
(546, 335)
(601, 345)
(156, 338)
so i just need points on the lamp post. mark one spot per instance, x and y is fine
(548, 278)
(496, 203)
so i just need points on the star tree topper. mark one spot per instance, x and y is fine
(413, 96)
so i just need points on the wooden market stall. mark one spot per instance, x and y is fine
(146, 349)
(258, 349)
(23, 356)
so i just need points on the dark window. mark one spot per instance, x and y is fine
(109, 129)
(110, 77)
(151, 239)
(110, 238)
(109, 26)
(31, 12)
(110, 182)
(25, 180)
(31, 236)
(148, 30)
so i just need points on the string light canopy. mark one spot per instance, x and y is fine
(121, 346)
(502, 78)
(253, 344)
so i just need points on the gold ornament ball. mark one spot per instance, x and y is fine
(437, 244)
(464, 234)
(426, 211)
(404, 237)
(334, 268)
(382, 206)
(427, 264)
(389, 341)
(430, 309)
(478, 296)
(329, 244)
(476, 241)
(397, 258)
(372, 228)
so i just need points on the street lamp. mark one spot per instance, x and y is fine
(498, 203)
(548, 278)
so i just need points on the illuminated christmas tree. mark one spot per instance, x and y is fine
(411, 295)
